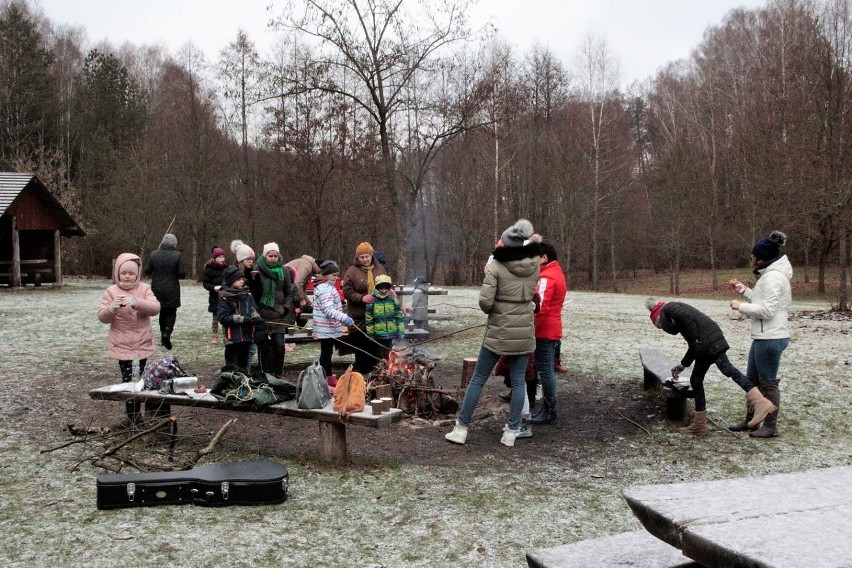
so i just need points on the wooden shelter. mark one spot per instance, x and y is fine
(31, 224)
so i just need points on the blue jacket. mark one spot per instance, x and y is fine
(237, 302)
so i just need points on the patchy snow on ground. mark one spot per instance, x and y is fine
(483, 511)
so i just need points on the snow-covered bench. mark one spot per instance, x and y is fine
(790, 519)
(638, 549)
(657, 367)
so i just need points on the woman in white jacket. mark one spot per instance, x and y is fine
(767, 305)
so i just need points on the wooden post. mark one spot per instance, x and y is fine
(332, 442)
(57, 257)
(15, 280)
(468, 365)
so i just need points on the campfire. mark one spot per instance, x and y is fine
(411, 386)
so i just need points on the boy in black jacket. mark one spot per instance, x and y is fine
(707, 346)
(238, 314)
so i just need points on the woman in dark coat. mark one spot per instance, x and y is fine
(165, 268)
(358, 285)
(213, 271)
(706, 346)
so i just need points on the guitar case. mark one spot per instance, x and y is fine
(212, 485)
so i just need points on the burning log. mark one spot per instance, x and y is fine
(411, 385)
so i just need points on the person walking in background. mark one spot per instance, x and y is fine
(275, 303)
(240, 319)
(706, 346)
(383, 317)
(506, 296)
(358, 285)
(165, 268)
(548, 328)
(328, 316)
(127, 306)
(212, 282)
(768, 307)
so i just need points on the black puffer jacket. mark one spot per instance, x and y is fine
(212, 278)
(165, 267)
(702, 334)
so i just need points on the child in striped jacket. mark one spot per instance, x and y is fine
(328, 314)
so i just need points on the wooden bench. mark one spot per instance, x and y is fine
(307, 337)
(657, 367)
(636, 549)
(792, 519)
(332, 428)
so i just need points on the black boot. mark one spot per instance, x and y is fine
(546, 415)
(743, 426)
(769, 428)
(167, 340)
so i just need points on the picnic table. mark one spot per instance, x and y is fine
(791, 520)
(332, 428)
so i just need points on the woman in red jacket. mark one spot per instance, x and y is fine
(548, 328)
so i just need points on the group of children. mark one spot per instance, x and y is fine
(129, 304)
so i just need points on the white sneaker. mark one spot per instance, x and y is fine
(539, 393)
(458, 435)
(525, 431)
(509, 436)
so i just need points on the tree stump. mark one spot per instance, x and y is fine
(468, 365)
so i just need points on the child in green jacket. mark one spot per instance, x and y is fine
(384, 317)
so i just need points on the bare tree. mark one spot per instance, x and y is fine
(383, 47)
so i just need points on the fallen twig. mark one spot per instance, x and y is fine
(212, 444)
(714, 423)
(632, 422)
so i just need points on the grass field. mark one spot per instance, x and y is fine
(485, 507)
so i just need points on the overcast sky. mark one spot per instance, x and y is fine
(643, 35)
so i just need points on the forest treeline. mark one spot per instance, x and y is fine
(392, 121)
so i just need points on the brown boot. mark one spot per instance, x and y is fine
(558, 366)
(699, 424)
(769, 428)
(742, 426)
(762, 406)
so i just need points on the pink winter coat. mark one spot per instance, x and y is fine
(130, 334)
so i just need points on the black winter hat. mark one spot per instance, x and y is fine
(329, 267)
(769, 249)
(232, 274)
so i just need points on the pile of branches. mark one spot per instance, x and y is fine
(149, 445)
(412, 388)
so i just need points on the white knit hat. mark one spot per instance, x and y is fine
(270, 247)
(241, 250)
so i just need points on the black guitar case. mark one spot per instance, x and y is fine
(212, 485)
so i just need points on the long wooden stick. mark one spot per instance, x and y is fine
(169, 230)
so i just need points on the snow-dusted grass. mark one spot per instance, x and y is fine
(486, 512)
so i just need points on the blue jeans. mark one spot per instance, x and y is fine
(545, 352)
(764, 358)
(484, 365)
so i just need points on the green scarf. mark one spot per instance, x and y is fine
(273, 273)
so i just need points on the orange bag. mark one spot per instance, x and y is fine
(350, 394)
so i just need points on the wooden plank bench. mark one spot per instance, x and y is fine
(637, 549)
(307, 337)
(793, 519)
(657, 367)
(332, 428)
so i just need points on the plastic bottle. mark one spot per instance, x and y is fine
(135, 371)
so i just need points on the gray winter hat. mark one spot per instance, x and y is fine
(170, 239)
(515, 235)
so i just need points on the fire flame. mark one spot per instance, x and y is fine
(396, 362)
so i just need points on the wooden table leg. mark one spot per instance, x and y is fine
(333, 442)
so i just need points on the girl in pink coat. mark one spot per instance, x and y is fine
(127, 306)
